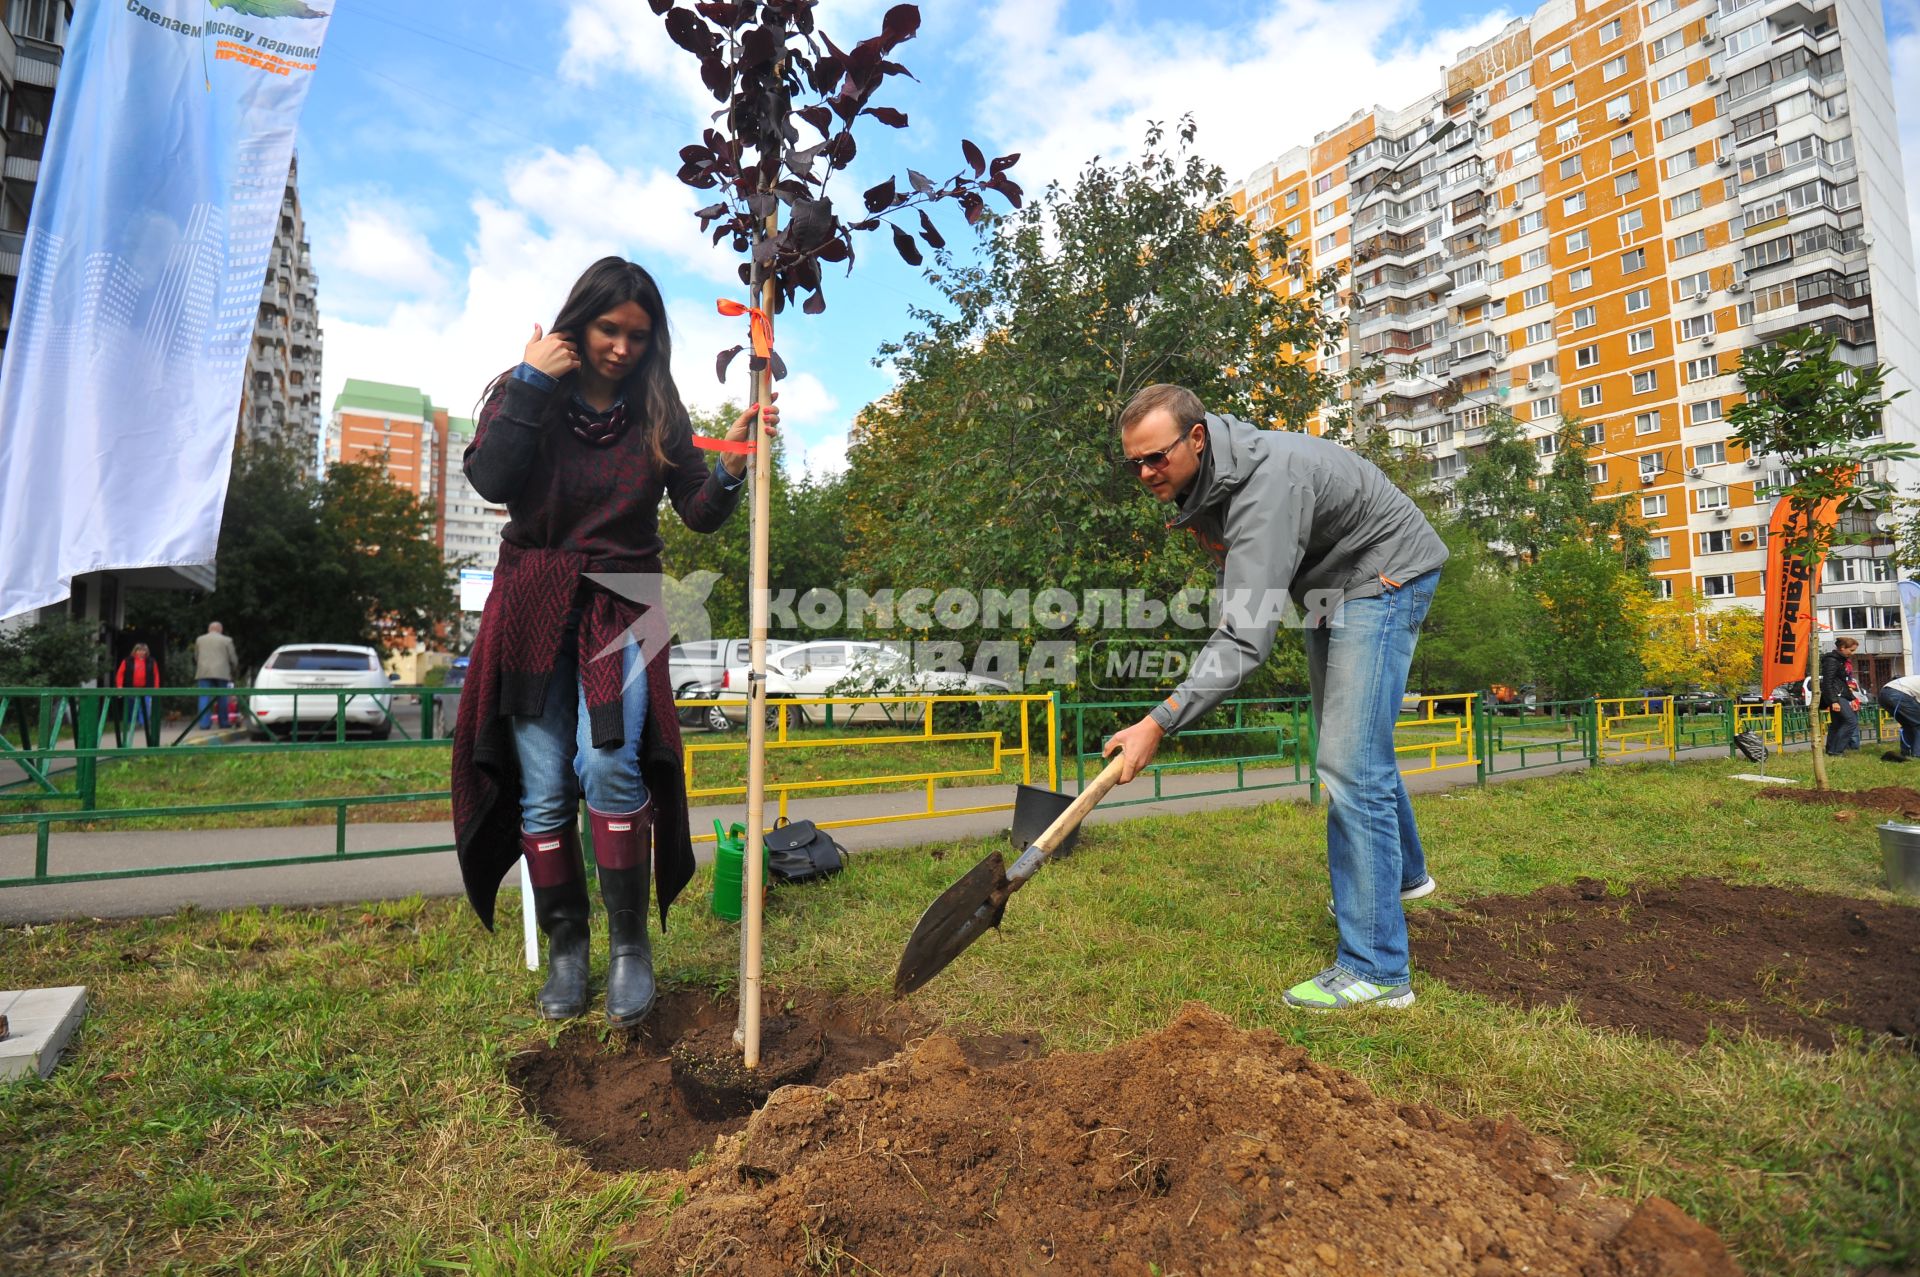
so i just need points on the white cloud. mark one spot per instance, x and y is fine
(379, 243)
(581, 193)
(1256, 89)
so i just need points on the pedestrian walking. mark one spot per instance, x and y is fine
(1840, 693)
(139, 669)
(216, 663)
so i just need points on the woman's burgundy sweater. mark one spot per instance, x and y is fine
(574, 508)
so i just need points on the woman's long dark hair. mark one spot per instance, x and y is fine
(653, 401)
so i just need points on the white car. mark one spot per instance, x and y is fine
(323, 668)
(842, 667)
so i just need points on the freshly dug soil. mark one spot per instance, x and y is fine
(620, 1104)
(1196, 1150)
(1678, 960)
(1897, 799)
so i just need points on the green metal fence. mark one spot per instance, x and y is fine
(1287, 721)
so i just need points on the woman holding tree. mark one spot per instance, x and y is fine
(568, 677)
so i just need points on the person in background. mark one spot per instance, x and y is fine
(1900, 697)
(216, 663)
(1840, 694)
(139, 670)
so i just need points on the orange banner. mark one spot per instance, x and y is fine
(1788, 631)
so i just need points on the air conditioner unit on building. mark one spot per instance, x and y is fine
(1720, 515)
(1746, 538)
(1736, 287)
(1723, 161)
(1515, 206)
(1694, 472)
(1713, 77)
(1705, 342)
(1753, 463)
(1619, 116)
(1710, 38)
(1533, 384)
(1648, 476)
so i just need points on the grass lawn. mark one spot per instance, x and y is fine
(323, 1090)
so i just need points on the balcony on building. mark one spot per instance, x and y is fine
(1398, 248)
(1469, 285)
(1477, 352)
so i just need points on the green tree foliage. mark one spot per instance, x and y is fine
(1475, 633)
(344, 558)
(55, 653)
(1587, 621)
(807, 540)
(993, 463)
(1821, 416)
(1510, 505)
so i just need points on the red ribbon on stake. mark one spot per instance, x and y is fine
(760, 335)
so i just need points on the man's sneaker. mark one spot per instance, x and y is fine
(1335, 990)
(1425, 887)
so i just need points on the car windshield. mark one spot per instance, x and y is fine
(320, 658)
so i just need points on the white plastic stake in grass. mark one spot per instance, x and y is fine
(526, 917)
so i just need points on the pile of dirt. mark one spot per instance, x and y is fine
(1200, 1149)
(618, 1101)
(1681, 959)
(1898, 799)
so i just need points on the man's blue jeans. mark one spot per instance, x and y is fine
(1358, 673)
(557, 758)
(205, 719)
(1906, 712)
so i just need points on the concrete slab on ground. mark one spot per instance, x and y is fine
(40, 1023)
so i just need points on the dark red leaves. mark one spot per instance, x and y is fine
(724, 358)
(889, 116)
(974, 157)
(929, 233)
(901, 22)
(906, 247)
(881, 197)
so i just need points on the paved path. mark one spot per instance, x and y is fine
(436, 874)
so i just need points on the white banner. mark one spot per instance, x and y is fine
(140, 283)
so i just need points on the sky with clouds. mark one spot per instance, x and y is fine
(460, 164)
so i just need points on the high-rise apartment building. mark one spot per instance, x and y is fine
(32, 45)
(470, 524)
(1590, 217)
(373, 420)
(281, 396)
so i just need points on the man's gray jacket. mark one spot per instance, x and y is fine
(1288, 515)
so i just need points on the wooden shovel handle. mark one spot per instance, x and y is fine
(1088, 798)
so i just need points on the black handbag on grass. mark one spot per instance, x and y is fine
(800, 851)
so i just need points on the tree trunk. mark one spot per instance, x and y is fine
(1813, 716)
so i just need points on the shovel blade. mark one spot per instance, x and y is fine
(963, 913)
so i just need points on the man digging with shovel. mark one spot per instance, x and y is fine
(1284, 511)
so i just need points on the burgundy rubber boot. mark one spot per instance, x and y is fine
(623, 849)
(560, 907)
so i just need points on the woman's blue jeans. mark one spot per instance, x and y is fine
(557, 759)
(1357, 669)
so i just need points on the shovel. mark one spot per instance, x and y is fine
(970, 907)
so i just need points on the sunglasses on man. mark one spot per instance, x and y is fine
(1156, 461)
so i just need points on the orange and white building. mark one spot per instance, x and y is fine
(1591, 216)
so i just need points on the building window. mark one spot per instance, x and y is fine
(1658, 547)
(1701, 369)
(1668, 45)
(1633, 261)
(1682, 162)
(1539, 369)
(1570, 166)
(1541, 409)
(1696, 326)
(1586, 356)
(1699, 414)
(1651, 466)
(1577, 242)
(1672, 83)
(1559, 58)
(1681, 205)
(1536, 333)
(1745, 38)
(1639, 299)
(1574, 203)
(1679, 122)
(1663, 588)
(1326, 243)
(1585, 317)
(1613, 68)
(1632, 220)
(1534, 259)
(1624, 183)
(1597, 472)
(1519, 80)
(1717, 587)
(1646, 423)
(1590, 396)
(1658, 10)
(1690, 243)
(1323, 184)
(1710, 498)
(1582, 278)
(1609, 32)
(1563, 94)
(1623, 144)
(1531, 222)
(1526, 186)
(1620, 108)
(1698, 284)
(1594, 435)
(1646, 381)
(1655, 506)
(1640, 342)
(1538, 295)
(1293, 198)
(1520, 116)
(1710, 454)
(1546, 445)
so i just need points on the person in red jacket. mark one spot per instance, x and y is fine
(139, 670)
(582, 442)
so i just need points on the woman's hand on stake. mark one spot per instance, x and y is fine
(553, 353)
(742, 430)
